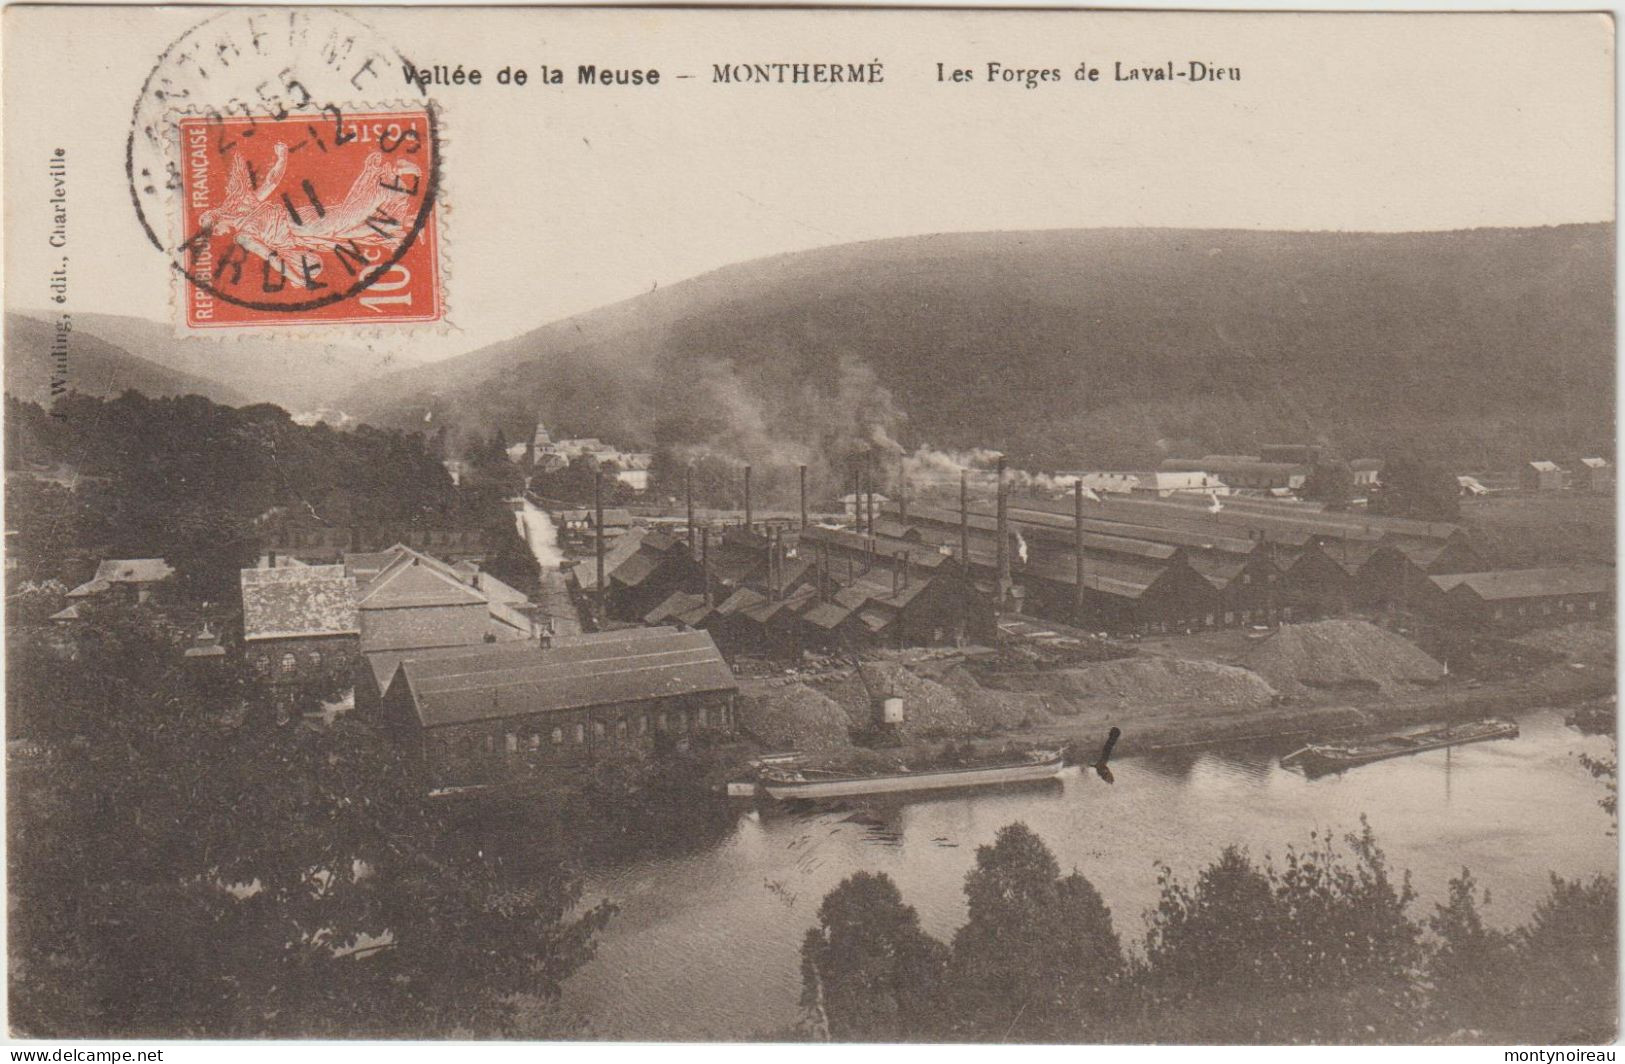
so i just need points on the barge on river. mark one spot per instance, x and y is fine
(790, 783)
(1332, 757)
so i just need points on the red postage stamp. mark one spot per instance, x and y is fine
(309, 219)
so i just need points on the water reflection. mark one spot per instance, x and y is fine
(706, 943)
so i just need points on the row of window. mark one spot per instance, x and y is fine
(1547, 608)
(287, 664)
(1209, 620)
(679, 721)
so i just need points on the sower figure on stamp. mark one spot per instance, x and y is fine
(370, 215)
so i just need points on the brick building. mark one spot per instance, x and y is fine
(409, 601)
(300, 625)
(486, 715)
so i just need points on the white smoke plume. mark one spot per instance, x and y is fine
(932, 464)
(1021, 547)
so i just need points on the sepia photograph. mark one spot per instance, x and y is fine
(752, 525)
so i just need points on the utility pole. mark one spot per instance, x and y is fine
(964, 521)
(688, 483)
(748, 526)
(1077, 546)
(965, 586)
(705, 564)
(1003, 586)
(902, 487)
(869, 495)
(598, 520)
(803, 497)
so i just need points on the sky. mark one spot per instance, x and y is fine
(560, 199)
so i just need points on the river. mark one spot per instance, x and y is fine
(706, 944)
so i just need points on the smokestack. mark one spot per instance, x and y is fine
(1077, 545)
(1002, 590)
(857, 497)
(902, 487)
(748, 525)
(964, 523)
(598, 518)
(705, 564)
(905, 571)
(803, 496)
(896, 574)
(772, 564)
(688, 487)
(869, 492)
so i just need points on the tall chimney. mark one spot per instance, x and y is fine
(902, 488)
(905, 571)
(803, 496)
(772, 564)
(705, 564)
(857, 497)
(869, 499)
(1002, 591)
(598, 540)
(748, 526)
(1077, 547)
(688, 486)
(964, 523)
(896, 574)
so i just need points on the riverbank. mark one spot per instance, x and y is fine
(1173, 693)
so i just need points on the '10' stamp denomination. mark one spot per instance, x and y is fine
(278, 198)
(306, 220)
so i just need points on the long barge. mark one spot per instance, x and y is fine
(791, 783)
(1331, 757)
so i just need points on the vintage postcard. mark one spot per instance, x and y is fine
(852, 525)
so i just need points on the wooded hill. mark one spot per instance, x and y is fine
(1111, 348)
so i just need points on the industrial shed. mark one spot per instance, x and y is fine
(483, 716)
(1516, 598)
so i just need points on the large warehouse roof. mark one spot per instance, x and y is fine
(600, 669)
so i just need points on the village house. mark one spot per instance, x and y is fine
(1516, 598)
(1596, 476)
(1102, 483)
(1245, 472)
(300, 625)
(482, 716)
(126, 580)
(1367, 472)
(1163, 483)
(1542, 475)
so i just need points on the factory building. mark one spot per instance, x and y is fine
(1518, 598)
(520, 713)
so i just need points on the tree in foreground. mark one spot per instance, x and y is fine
(183, 866)
(1318, 950)
(1037, 958)
(868, 972)
(1473, 969)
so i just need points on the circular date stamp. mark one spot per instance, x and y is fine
(278, 197)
